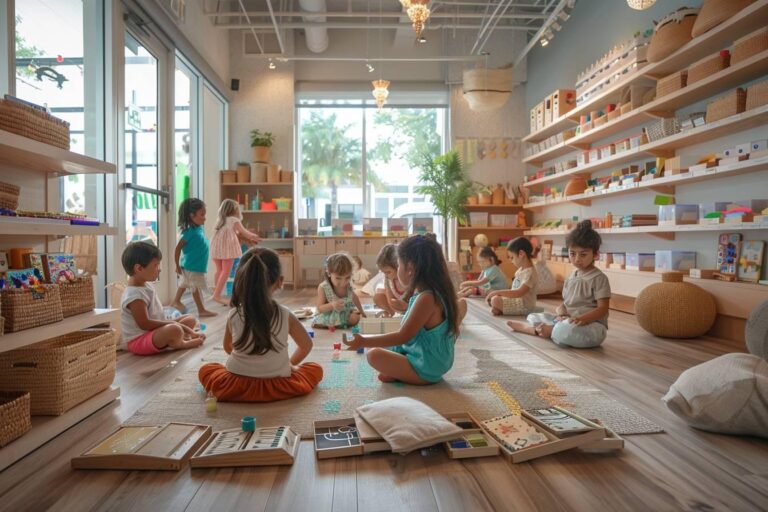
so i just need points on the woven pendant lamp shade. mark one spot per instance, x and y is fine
(675, 309)
(640, 5)
(487, 89)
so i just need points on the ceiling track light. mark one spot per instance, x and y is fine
(544, 41)
(555, 25)
(564, 15)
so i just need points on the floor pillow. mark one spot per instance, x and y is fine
(728, 395)
(756, 332)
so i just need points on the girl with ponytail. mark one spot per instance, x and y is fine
(259, 368)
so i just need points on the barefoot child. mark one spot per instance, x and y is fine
(337, 304)
(521, 299)
(582, 319)
(360, 274)
(145, 329)
(392, 299)
(491, 278)
(193, 251)
(258, 368)
(421, 352)
(225, 244)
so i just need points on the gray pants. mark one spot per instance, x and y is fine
(566, 334)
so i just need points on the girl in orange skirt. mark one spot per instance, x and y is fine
(259, 368)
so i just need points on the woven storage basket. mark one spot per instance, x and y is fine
(714, 12)
(671, 83)
(32, 123)
(15, 420)
(24, 309)
(61, 372)
(672, 32)
(749, 45)
(757, 95)
(77, 296)
(675, 309)
(661, 129)
(708, 66)
(9, 196)
(729, 105)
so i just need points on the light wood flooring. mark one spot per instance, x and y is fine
(682, 469)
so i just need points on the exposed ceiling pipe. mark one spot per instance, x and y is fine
(316, 30)
(341, 25)
(277, 29)
(544, 28)
(486, 25)
(489, 32)
(383, 59)
(359, 14)
(253, 30)
(483, 4)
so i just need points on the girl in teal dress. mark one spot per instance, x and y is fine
(337, 304)
(421, 352)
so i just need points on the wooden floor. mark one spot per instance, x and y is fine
(682, 469)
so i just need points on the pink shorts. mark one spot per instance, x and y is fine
(142, 345)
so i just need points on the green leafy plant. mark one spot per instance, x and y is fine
(265, 139)
(445, 180)
(481, 188)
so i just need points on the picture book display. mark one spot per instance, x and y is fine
(165, 447)
(727, 256)
(422, 225)
(751, 260)
(514, 433)
(307, 227)
(59, 267)
(373, 226)
(267, 446)
(397, 227)
(337, 438)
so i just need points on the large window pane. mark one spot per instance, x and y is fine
(182, 138)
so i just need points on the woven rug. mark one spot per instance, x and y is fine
(492, 375)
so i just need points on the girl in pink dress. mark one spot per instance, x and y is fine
(225, 244)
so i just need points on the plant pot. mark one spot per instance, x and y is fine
(243, 173)
(273, 173)
(472, 200)
(286, 176)
(509, 201)
(258, 172)
(498, 195)
(483, 198)
(229, 176)
(261, 154)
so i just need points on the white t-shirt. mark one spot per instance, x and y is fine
(582, 290)
(265, 366)
(155, 311)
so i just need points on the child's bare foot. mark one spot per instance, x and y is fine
(319, 326)
(544, 330)
(205, 312)
(384, 378)
(221, 300)
(194, 342)
(496, 311)
(521, 326)
(178, 306)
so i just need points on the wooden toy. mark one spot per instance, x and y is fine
(727, 256)
(337, 438)
(473, 441)
(165, 447)
(751, 260)
(268, 446)
(372, 325)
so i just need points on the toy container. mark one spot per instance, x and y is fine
(641, 261)
(675, 260)
(675, 214)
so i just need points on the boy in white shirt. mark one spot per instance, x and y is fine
(145, 329)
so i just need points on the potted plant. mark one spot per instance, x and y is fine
(261, 144)
(483, 193)
(445, 180)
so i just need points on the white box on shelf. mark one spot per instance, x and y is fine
(675, 260)
(478, 219)
(641, 261)
(758, 145)
(743, 149)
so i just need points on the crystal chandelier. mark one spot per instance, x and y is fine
(418, 13)
(380, 92)
(640, 5)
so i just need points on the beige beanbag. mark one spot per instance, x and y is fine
(407, 424)
(728, 395)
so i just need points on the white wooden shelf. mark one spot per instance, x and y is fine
(733, 124)
(30, 154)
(751, 18)
(665, 184)
(14, 340)
(26, 228)
(666, 232)
(483, 207)
(45, 428)
(563, 148)
(281, 184)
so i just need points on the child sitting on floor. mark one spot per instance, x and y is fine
(258, 368)
(582, 319)
(337, 304)
(422, 350)
(145, 329)
(521, 298)
(360, 274)
(491, 278)
(392, 299)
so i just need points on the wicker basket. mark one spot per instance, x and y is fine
(749, 45)
(9, 196)
(661, 129)
(15, 420)
(708, 66)
(24, 309)
(671, 83)
(729, 105)
(675, 309)
(27, 121)
(672, 32)
(61, 372)
(77, 296)
(714, 12)
(757, 95)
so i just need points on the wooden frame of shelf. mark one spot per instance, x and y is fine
(23, 228)
(665, 232)
(748, 19)
(14, 340)
(490, 228)
(30, 154)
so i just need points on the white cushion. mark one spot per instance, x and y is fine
(546, 283)
(407, 424)
(728, 395)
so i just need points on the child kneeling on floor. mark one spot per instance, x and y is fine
(521, 298)
(421, 352)
(582, 318)
(258, 368)
(142, 318)
(337, 303)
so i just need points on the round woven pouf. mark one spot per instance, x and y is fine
(675, 309)
(756, 332)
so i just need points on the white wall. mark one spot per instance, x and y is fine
(585, 38)
(211, 42)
